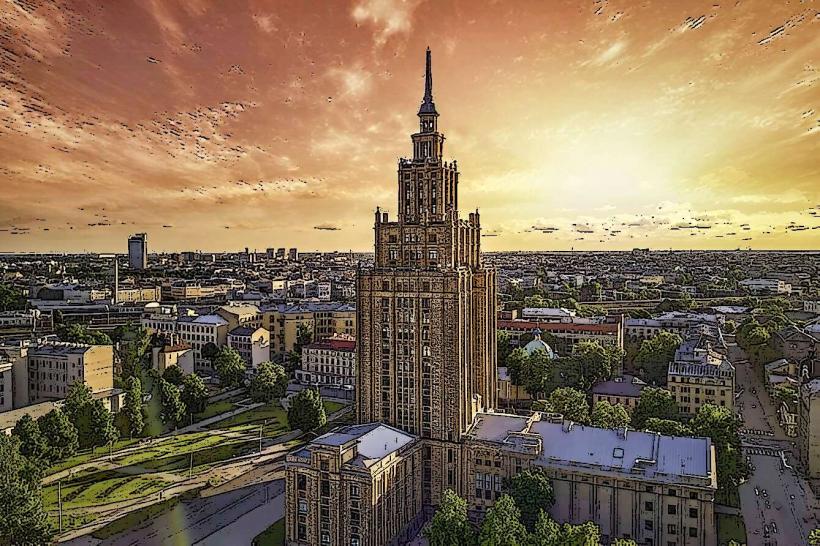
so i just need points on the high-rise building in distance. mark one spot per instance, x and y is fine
(138, 251)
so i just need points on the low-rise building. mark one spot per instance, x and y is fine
(654, 489)
(330, 362)
(180, 355)
(766, 286)
(320, 320)
(357, 485)
(200, 331)
(563, 336)
(624, 390)
(6, 385)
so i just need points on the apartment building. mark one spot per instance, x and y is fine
(563, 336)
(252, 344)
(700, 375)
(358, 485)
(624, 390)
(6, 385)
(321, 319)
(331, 361)
(241, 315)
(200, 331)
(54, 367)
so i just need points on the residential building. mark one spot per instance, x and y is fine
(179, 355)
(509, 394)
(563, 336)
(138, 251)
(6, 385)
(330, 362)
(252, 344)
(53, 367)
(241, 315)
(808, 427)
(320, 320)
(624, 390)
(766, 286)
(200, 331)
(548, 314)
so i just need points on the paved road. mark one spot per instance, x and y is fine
(786, 514)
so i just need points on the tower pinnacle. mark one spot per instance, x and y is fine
(428, 107)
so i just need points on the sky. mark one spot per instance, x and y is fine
(587, 125)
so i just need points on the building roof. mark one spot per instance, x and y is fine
(213, 320)
(626, 385)
(9, 418)
(59, 349)
(529, 325)
(311, 307)
(334, 344)
(374, 441)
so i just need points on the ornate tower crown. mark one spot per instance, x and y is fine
(428, 107)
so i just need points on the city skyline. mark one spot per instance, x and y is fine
(595, 127)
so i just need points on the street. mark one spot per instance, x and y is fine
(776, 502)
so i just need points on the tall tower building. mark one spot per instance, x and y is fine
(426, 312)
(138, 251)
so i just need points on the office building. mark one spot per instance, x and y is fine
(138, 251)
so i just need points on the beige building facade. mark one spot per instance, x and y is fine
(54, 367)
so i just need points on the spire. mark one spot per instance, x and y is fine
(427, 104)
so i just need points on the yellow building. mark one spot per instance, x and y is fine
(321, 320)
(695, 384)
(54, 367)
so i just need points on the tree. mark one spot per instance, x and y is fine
(516, 362)
(624, 542)
(173, 375)
(60, 434)
(667, 427)
(133, 343)
(78, 397)
(304, 336)
(450, 526)
(589, 363)
(532, 492)
(502, 525)
(654, 356)
(194, 393)
(606, 415)
(814, 538)
(722, 426)
(11, 299)
(270, 383)
(503, 347)
(538, 374)
(306, 412)
(23, 520)
(132, 408)
(230, 367)
(571, 403)
(103, 431)
(654, 402)
(32, 444)
(549, 533)
(80, 333)
(210, 351)
(173, 410)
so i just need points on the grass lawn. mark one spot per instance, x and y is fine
(730, 528)
(274, 417)
(81, 458)
(333, 407)
(216, 408)
(71, 520)
(101, 487)
(182, 444)
(272, 536)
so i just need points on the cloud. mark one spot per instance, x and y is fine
(327, 227)
(389, 17)
(353, 82)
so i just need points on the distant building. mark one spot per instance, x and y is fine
(808, 427)
(548, 314)
(510, 394)
(54, 367)
(330, 362)
(138, 251)
(6, 385)
(766, 286)
(624, 390)
(322, 320)
(293, 255)
(179, 355)
(201, 331)
(563, 336)
(812, 306)
(241, 315)
(252, 344)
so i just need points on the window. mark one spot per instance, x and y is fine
(648, 506)
(301, 482)
(648, 524)
(325, 537)
(671, 529)
(303, 508)
(354, 491)
(672, 493)
(693, 532)
(672, 509)
(693, 495)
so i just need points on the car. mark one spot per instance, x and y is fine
(754, 406)
(791, 497)
(774, 527)
(768, 504)
(757, 491)
(764, 493)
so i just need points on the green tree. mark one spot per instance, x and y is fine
(503, 347)
(173, 409)
(11, 299)
(77, 398)
(571, 403)
(80, 333)
(654, 357)
(270, 383)
(606, 415)
(502, 525)
(306, 412)
(667, 427)
(538, 375)
(814, 538)
(450, 526)
(654, 402)
(23, 520)
(103, 431)
(210, 351)
(549, 533)
(60, 434)
(32, 444)
(516, 363)
(132, 407)
(194, 393)
(304, 336)
(722, 426)
(173, 375)
(589, 363)
(624, 542)
(230, 367)
(133, 343)
(532, 492)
